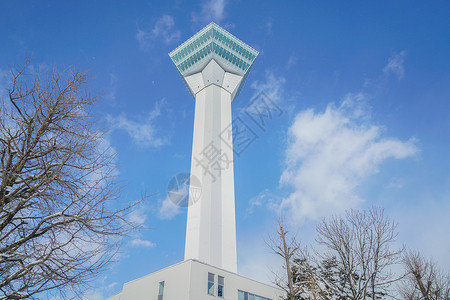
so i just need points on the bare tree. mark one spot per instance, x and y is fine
(285, 246)
(423, 279)
(59, 225)
(302, 277)
(361, 244)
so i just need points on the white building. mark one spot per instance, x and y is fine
(191, 280)
(214, 65)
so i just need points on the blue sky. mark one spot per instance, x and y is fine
(364, 88)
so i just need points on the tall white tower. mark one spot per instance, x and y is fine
(214, 65)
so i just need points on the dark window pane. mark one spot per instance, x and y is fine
(211, 288)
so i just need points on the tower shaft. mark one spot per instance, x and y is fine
(211, 229)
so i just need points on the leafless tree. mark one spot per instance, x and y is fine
(423, 279)
(303, 277)
(286, 246)
(59, 223)
(360, 242)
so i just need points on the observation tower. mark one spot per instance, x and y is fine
(214, 65)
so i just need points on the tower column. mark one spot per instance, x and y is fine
(211, 228)
(214, 65)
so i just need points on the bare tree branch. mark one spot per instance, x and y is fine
(59, 221)
(285, 246)
(361, 243)
(423, 279)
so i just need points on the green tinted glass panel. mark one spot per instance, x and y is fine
(216, 41)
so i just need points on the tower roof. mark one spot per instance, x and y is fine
(213, 42)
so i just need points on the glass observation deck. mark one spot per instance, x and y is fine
(213, 42)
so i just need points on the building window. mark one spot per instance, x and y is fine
(249, 296)
(211, 284)
(220, 286)
(161, 290)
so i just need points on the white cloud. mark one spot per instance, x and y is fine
(395, 65)
(168, 209)
(111, 94)
(4, 82)
(265, 198)
(92, 295)
(272, 86)
(269, 25)
(142, 131)
(212, 11)
(137, 216)
(292, 61)
(254, 203)
(330, 154)
(142, 243)
(112, 285)
(164, 29)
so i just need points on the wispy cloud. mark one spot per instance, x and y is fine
(4, 82)
(329, 155)
(395, 65)
(164, 29)
(92, 294)
(269, 25)
(142, 130)
(112, 90)
(272, 86)
(212, 11)
(265, 198)
(142, 243)
(168, 209)
(137, 216)
(292, 61)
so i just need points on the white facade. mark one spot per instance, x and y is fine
(188, 280)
